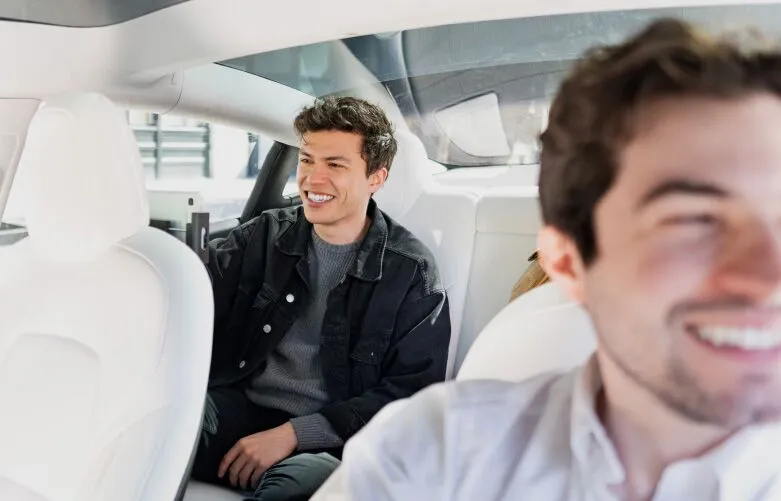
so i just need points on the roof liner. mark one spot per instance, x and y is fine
(198, 32)
(78, 13)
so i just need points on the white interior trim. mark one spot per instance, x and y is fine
(241, 100)
(40, 60)
(16, 115)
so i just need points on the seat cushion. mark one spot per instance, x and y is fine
(199, 491)
(78, 345)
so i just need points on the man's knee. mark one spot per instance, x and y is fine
(296, 478)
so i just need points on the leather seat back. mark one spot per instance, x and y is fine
(105, 341)
(541, 331)
(508, 219)
(442, 217)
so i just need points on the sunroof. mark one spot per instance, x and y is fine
(80, 13)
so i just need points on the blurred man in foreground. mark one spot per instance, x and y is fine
(660, 187)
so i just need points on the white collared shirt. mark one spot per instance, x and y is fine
(539, 440)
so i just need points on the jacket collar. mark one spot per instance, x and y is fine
(368, 262)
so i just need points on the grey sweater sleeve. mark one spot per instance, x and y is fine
(315, 432)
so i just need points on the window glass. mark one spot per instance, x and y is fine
(185, 154)
(180, 156)
(477, 94)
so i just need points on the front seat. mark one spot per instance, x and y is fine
(106, 323)
(542, 330)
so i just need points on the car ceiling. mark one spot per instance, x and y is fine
(197, 32)
(80, 13)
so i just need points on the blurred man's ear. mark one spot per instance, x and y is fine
(561, 260)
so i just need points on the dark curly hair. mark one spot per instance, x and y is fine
(350, 114)
(591, 118)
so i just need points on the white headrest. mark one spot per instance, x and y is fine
(84, 182)
(408, 176)
(541, 331)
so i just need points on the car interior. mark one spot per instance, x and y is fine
(105, 305)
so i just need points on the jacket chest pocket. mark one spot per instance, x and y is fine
(366, 361)
(271, 319)
(275, 311)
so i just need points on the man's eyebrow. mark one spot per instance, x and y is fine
(338, 158)
(333, 158)
(681, 187)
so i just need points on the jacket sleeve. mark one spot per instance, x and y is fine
(226, 257)
(416, 358)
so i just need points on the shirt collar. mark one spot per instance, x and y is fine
(593, 450)
(371, 252)
(747, 462)
(743, 465)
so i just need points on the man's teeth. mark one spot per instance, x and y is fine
(741, 337)
(317, 197)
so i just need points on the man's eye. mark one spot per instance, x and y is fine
(698, 219)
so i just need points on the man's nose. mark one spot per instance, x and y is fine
(751, 265)
(317, 174)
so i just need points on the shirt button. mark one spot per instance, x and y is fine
(267, 328)
(242, 364)
(290, 298)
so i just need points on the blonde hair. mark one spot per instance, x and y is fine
(534, 276)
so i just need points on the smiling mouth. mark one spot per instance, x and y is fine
(318, 198)
(754, 339)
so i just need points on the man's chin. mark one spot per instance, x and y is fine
(725, 411)
(316, 218)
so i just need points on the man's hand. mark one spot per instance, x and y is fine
(253, 455)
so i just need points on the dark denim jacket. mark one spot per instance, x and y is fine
(386, 328)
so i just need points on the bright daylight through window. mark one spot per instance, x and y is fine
(179, 154)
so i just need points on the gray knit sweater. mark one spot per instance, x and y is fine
(293, 380)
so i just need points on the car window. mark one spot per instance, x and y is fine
(180, 155)
(185, 154)
(477, 94)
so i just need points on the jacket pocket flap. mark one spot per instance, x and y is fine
(371, 348)
(265, 297)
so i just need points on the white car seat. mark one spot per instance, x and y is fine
(542, 330)
(105, 340)
(508, 220)
(200, 491)
(442, 217)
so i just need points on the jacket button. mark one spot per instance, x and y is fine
(267, 328)
(290, 298)
(242, 364)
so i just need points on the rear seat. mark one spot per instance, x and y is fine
(508, 219)
(442, 217)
